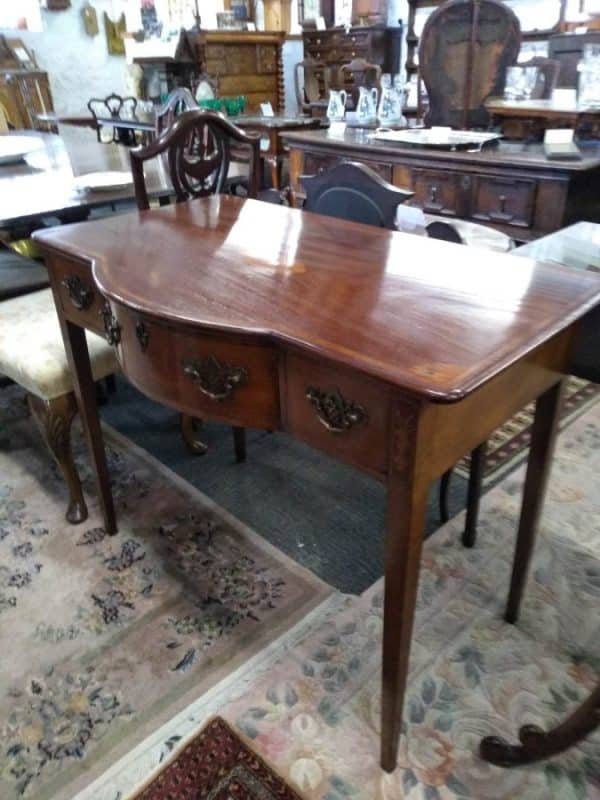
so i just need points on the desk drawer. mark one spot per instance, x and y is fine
(210, 375)
(338, 411)
(508, 201)
(80, 300)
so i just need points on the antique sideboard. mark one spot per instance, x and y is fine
(512, 186)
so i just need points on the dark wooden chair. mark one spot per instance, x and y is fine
(177, 102)
(113, 106)
(547, 78)
(464, 52)
(361, 73)
(197, 151)
(354, 192)
(309, 97)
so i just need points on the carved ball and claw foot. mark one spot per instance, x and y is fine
(54, 418)
(537, 744)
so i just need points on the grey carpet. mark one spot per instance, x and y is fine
(325, 515)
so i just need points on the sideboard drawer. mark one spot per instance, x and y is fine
(211, 375)
(436, 192)
(506, 201)
(316, 162)
(338, 411)
(80, 300)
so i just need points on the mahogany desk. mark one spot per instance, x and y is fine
(395, 353)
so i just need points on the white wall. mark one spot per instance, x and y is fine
(79, 65)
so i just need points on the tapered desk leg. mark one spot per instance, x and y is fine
(406, 504)
(543, 437)
(85, 393)
(474, 494)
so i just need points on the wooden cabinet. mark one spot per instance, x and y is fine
(513, 189)
(24, 93)
(241, 63)
(376, 44)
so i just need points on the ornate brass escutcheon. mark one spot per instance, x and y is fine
(112, 329)
(81, 296)
(334, 412)
(214, 379)
(142, 335)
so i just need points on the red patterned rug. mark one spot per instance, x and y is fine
(216, 765)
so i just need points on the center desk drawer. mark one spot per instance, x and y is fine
(509, 201)
(218, 376)
(80, 300)
(339, 411)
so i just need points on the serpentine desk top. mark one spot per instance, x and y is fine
(435, 319)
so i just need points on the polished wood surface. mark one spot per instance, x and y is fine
(335, 286)
(391, 352)
(511, 186)
(43, 184)
(520, 119)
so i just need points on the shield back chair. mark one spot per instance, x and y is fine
(197, 150)
(113, 106)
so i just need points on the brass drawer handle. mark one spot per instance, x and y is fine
(81, 296)
(112, 329)
(334, 412)
(214, 379)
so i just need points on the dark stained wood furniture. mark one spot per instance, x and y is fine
(197, 148)
(112, 107)
(353, 192)
(312, 95)
(43, 185)
(465, 49)
(270, 128)
(178, 101)
(567, 48)
(359, 72)
(547, 76)
(306, 331)
(512, 187)
(241, 62)
(376, 44)
(529, 119)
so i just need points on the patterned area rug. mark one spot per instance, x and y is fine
(508, 445)
(109, 637)
(216, 765)
(314, 712)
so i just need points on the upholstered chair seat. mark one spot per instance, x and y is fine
(32, 354)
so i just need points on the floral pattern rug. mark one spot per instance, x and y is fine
(313, 711)
(105, 638)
